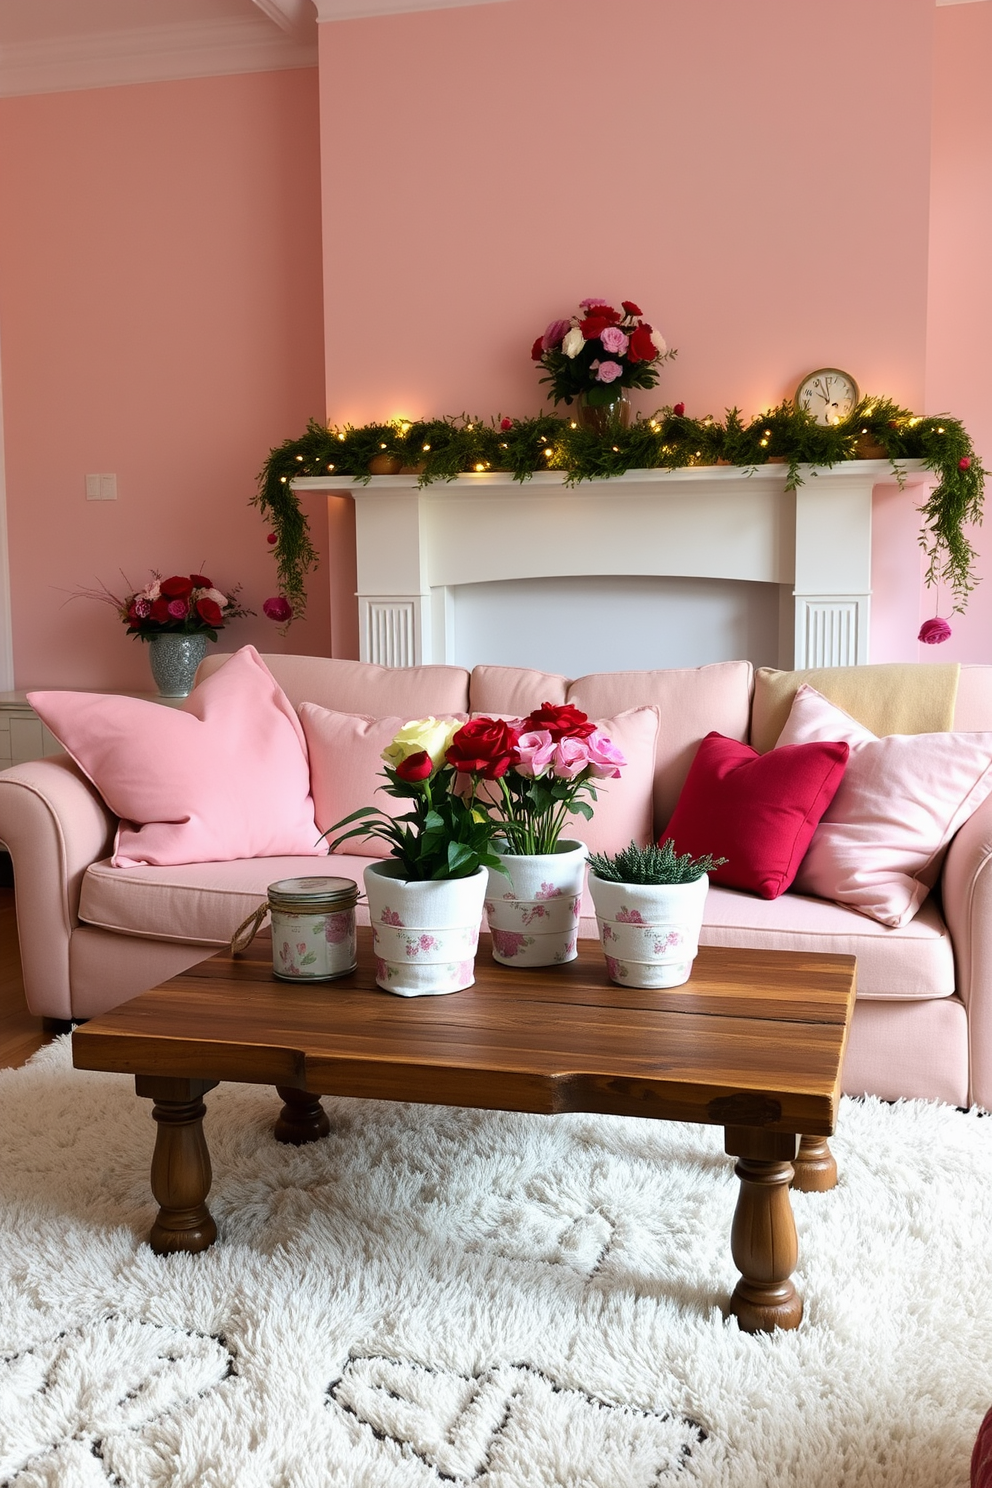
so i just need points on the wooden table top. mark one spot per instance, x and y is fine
(754, 1038)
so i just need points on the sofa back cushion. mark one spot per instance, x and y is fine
(691, 702)
(902, 697)
(513, 692)
(361, 687)
(224, 776)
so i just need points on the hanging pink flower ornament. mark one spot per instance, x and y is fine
(933, 632)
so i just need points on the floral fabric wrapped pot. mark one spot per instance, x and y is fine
(534, 912)
(649, 932)
(425, 933)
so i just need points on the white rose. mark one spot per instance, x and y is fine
(220, 600)
(659, 342)
(573, 342)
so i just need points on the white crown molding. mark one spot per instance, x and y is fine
(298, 17)
(961, 2)
(151, 54)
(352, 10)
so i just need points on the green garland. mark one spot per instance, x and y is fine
(440, 449)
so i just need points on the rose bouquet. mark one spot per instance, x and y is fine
(183, 604)
(545, 768)
(446, 832)
(599, 351)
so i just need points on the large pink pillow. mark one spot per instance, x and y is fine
(346, 765)
(224, 776)
(881, 842)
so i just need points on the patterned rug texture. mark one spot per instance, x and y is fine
(436, 1296)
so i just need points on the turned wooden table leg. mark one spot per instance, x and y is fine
(302, 1118)
(815, 1166)
(763, 1237)
(180, 1165)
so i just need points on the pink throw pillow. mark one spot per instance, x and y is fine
(346, 766)
(224, 776)
(759, 811)
(882, 840)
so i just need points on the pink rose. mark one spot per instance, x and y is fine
(605, 759)
(609, 372)
(278, 608)
(571, 758)
(553, 335)
(933, 632)
(535, 752)
(178, 609)
(591, 304)
(615, 340)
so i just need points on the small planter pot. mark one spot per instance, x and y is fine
(424, 934)
(534, 913)
(649, 932)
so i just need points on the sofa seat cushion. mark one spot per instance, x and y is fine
(914, 961)
(197, 903)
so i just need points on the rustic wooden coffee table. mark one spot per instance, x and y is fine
(752, 1043)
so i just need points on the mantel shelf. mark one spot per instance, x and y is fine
(548, 480)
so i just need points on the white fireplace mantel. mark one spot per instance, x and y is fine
(416, 544)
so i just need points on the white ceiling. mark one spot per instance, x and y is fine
(52, 45)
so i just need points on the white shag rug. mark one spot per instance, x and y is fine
(432, 1296)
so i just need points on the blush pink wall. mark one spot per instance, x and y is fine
(487, 167)
(959, 376)
(160, 317)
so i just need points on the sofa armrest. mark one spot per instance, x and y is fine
(54, 825)
(967, 893)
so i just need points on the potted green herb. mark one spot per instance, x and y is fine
(649, 909)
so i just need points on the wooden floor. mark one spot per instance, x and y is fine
(20, 1033)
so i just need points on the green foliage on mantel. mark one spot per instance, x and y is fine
(441, 449)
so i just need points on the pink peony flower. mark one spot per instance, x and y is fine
(591, 304)
(615, 340)
(534, 754)
(605, 759)
(553, 335)
(278, 608)
(571, 758)
(608, 372)
(178, 609)
(933, 632)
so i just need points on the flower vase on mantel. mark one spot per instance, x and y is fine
(533, 905)
(174, 659)
(603, 417)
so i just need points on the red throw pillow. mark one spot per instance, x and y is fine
(759, 811)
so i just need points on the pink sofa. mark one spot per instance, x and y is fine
(92, 936)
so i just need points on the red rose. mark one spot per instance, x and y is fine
(561, 720)
(159, 611)
(209, 612)
(133, 616)
(506, 423)
(278, 608)
(537, 349)
(631, 308)
(964, 463)
(177, 587)
(642, 348)
(607, 313)
(679, 410)
(593, 326)
(200, 581)
(272, 539)
(484, 746)
(415, 766)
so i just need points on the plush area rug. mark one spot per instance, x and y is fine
(431, 1296)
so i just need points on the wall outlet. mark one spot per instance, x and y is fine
(101, 488)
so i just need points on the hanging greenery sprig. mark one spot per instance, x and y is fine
(441, 449)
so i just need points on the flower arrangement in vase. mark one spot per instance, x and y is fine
(649, 909)
(177, 615)
(545, 769)
(595, 356)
